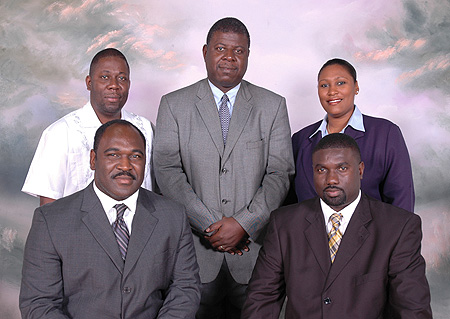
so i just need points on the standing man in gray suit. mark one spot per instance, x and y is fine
(223, 149)
(114, 249)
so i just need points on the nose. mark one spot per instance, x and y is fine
(332, 90)
(113, 83)
(229, 55)
(124, 164)
(332, 178)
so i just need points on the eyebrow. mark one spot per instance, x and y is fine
(114, 149)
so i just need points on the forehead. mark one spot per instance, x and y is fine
(231, 38)
(335, 156)
(119, 135)
(333, 71)
(111, 63)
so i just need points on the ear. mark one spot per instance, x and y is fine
(356, 88)
(205, 49)
(361, 169)
(92, 160)
(88, 83)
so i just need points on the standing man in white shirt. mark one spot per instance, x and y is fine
(60, 166)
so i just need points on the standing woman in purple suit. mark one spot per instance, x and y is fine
(388, 174)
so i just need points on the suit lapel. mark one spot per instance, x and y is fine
(96, 221)
(208, 111)
(354, 237)
(241, 112)
(143, 226)
(316, 236)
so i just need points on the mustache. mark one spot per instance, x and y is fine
(332, 187)
(123, 173)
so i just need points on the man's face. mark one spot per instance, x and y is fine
(226, 59)
(337, 176)
(109, 84)
(120, 161)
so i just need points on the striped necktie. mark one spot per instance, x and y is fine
(224, 115)
(334, 236)
(121, 230)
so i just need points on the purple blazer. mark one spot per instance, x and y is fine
(387, 173)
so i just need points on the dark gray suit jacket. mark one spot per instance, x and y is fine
(246, 179)
(73, 269)
(378, 271)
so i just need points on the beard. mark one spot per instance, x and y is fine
(339, 200)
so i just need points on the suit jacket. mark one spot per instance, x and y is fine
(387, 172)
(73, 268)
(246, 179)
(378, 271)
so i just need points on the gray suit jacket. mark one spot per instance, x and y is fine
(246, 179)
(73, 269)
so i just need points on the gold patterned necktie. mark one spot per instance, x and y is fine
(334, 236)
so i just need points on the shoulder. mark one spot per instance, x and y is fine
(164, 207)
(294, 214)
(64, 209)
(260, 92)
(306, 132)
(388, 214)
(187, 90)
(64, 123)
(378, 122)
(140, 121)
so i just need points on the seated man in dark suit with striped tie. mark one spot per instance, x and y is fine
(114, 249)
(342, 254)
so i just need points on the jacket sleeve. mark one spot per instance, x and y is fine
(409, 293)
(183, 295)
(170, 176)
(277, 178)
(41, 292)
(398, 187)
(267, 289)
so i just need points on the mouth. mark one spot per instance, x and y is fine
(334, 101)
(227, 68)
(332, 191)
(125, 178)
(113, 98)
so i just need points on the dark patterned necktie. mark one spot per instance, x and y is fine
(224, 115)
(334, 236)
(121, 230)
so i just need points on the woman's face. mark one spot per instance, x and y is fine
(337, 91)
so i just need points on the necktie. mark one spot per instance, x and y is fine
(224, 114)
(121, 230)
(334, 236)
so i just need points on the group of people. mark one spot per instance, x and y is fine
(215, 243)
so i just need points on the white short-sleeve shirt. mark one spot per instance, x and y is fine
(60, 166)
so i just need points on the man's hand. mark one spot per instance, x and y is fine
(228, 236)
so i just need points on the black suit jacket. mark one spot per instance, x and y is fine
(73, 269)
(378, 271)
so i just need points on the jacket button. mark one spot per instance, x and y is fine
(327, 301)
(224, 201)
(126, 290)
(224, 170)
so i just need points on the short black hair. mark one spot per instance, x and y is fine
(228, 25)
(338, 140)
(107, 53)
(101, 130)
(340, 62)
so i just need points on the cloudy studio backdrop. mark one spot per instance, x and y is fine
(400, 48)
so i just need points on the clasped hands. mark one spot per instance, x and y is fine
(228, 236)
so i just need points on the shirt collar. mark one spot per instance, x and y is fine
(109, 202)
(347, 212)
(218, 94)
(355, 121)
(89, 118)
